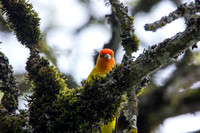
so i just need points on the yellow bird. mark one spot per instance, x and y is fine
(104, 64)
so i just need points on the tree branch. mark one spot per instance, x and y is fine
(8, 85)
(9, 120)
(183, 10)
(129, 40)
(159, 103)
(23, 20)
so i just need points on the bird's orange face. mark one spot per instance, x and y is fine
(106, 59)
(106, 54)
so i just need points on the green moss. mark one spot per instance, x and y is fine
(83, 109)
(11, 123)
(23, 20)
(46, 83)
(129, 40)
(8, 85)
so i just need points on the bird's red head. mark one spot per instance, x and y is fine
(106, 59)
(106, 53)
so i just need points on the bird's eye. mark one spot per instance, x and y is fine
(101, 55)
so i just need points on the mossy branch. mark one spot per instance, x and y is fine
(129, 40)
(23, 20)
(46, 83)
(9, 120)
(14, 123)
(8, 85)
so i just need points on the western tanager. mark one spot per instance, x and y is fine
(104, 64)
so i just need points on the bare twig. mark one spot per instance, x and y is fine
(183, 10)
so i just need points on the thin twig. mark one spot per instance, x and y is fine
(183, 10)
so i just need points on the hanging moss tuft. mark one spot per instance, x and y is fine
(46, 82)
(8, 85)
(23, 20)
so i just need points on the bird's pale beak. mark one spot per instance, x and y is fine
(107, 56)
